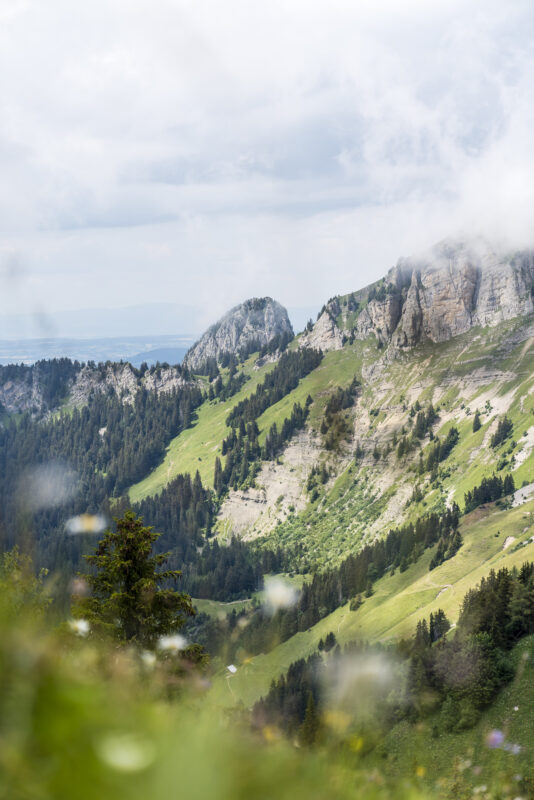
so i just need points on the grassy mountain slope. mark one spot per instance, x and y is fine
(486, 369)
(370, 489)
(465, 756)
(399, 601)
(198, 446)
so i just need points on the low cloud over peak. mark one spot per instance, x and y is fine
(236, 149)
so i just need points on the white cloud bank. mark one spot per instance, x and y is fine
(201, 151)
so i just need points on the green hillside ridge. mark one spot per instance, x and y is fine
(356, 499)
(198, 446)
(364, 497)
(465, 757)
(337, 368)
(398, 601)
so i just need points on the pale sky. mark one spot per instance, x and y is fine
(199, 152)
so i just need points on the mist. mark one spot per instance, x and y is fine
(196, 154)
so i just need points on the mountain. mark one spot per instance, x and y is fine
(381, 463)
(251, 324)
(454, 287)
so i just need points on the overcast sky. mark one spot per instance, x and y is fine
(203, 151)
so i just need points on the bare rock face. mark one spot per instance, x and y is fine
(380, 317)
(124, 381)
(443, 293)
(119, 377)
(459, 286)
(255, 321)
(22, 392)
(164, 379)
(505, 289)
(325, 334)
(439, 304)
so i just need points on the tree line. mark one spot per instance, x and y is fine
(285, 377)
(350, 581)
(108, 444)
(488, 490)
(450, 679)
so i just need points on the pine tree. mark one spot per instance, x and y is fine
(330, 641)
(439, 625)
(476, 422)
(309, 730)
(126, 600)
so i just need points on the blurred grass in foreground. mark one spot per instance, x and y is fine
(82, 719)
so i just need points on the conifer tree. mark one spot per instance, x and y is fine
(476, 422)
(309, 729)
(126, 600)
(218, 477)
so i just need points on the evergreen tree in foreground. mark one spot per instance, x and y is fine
(126, 600)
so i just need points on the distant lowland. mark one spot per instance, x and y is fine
(135, 349)
(169, 330)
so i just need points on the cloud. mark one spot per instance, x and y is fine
(227, 149)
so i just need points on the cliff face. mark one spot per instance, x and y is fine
(325, 334)
(256, 320)
(24, 390)
(442, 294)
(460, 286)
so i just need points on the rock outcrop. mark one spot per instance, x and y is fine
(22, 387)
(124, 381)
(380, 317)
(21, 391)
(439, 295)
(325, 334)
(252, 323)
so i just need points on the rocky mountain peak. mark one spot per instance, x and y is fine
(254, 322)
(456, 285)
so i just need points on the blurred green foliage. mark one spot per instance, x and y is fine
(82, 719)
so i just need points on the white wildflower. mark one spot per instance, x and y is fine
(86, 523)
(79, 626)
(78, 587)
(148, 658)
(278, 594)
(126, 752)
(173, 643)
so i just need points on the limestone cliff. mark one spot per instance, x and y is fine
(255, 321)
(23, 388)
(436, 296)
(325, 334)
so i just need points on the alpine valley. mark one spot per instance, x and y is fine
(373, 476)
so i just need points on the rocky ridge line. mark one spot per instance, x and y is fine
(433, 297)
(255, 320)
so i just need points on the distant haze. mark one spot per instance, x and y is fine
(156, 319)
(158, 332)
